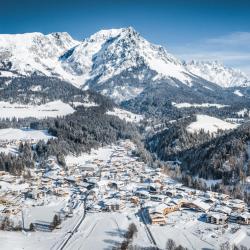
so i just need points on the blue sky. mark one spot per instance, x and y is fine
(190, 29)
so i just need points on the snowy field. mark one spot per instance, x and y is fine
(50, 109)
(102, 153)
(98, 231)
(106, 231)
(209, 124)
(38, 240)
(125, 115)
(87, 104)
(10, 134)
(196, 105)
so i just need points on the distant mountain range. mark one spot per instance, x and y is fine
(118, 63)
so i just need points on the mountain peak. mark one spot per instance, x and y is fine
(215, 71)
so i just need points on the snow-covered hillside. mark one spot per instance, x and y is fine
(125, 115)
(10, 134)
(209, 124)
(50, 109)
(218, 73)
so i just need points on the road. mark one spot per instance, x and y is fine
(73, 231)
(149, 234)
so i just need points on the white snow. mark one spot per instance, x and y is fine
(123, 93)
(243, 112)
(197, 105)
(36, 88)
(85, 104)
(36, 52)
(6, 187)
(238, 93)
(218, 73)
(6, 74)
(115, 51)
(209, 124)
(10, 134)
(102, 153)
(125, 115)
(50, 109)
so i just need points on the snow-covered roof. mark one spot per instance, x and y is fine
(217, 215)
(202, 205)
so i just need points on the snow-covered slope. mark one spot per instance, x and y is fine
(25, 54)
(109, 52)
(10, 134)
(125, 115)
(218, 73)
(110, 60)
(209, 124)
(50, 109)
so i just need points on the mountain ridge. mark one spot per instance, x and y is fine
(119, 63)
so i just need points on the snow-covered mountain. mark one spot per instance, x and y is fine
(119, 63)
(218, 73)
(29, 53)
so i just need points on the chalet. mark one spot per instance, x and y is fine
(156, 215)
(236, 205)
(243, 218)
(170, 207)
(143, 194)
(157, 218)
(33, 194)
(114, 204)
(223, 197)
(135, 200)
(197, 204)
(216, 218)
(223, 209)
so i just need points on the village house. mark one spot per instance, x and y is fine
(241, 218)
(114, 204)
(142, 194)
(156, 215)
(236, 205)
(170, 207)
(197, 204)
(216, 218)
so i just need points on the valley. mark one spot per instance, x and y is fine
(111, 188)
(111, 142)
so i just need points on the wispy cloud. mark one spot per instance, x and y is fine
(233, 39)
(231, 49)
